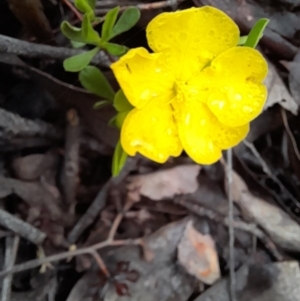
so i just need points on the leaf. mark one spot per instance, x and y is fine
(112, 121)
(92, 3)
(90, 35)
(100, 104)
(165, 184)
(198, 255)
(109, 22)
(84, 6)
(80, 61)
(71, 32)
(127, 20)
(115, 49)
(242, 40)
(119, 159)
(77, 44)
(256, 32)
(119, 120)
(121, 103)
(94, 81)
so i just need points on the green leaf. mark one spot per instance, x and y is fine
(77, 44)
(115, 49)
(71, 32)
(120, 117)
(112, 121)
(121, 103)
(127, 20)
(94, 81)
(242, 40)
(102, 103)
(119, 159)
(92, 3)
(80, 61)
(109, 22)
(84, 6)
(90, 35)
(256, 33)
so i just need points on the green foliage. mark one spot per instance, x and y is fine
(86, 34)
(91, 77)
(242, 40)
(77, 44)
(90, 35)
(86, 6)
(119, 159)
(94, 81)
(102, 103)
(80, 61)
(115, 49)
(121, 103)
(127, 20)
(256, 33)
(109, 22)
(71, 32)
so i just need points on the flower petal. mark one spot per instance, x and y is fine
(191, 38)
(143, 77)
(152, 132)
(202, 136)
(236, 94)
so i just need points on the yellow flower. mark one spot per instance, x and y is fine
(197, 92)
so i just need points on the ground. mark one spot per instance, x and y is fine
(69, 231)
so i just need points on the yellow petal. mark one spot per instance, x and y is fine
(152, 132)
(202, 136)
(143, 77)
(236, 92)
(191, 38)
(227, 137)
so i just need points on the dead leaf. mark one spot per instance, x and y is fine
(278, 92)
(165, 183)
(294, 81)
(198, 255)
(31, 167)
(31, 14)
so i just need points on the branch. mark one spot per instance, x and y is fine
(33, 50)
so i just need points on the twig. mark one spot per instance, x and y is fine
(88, 218)
(118, 220)
(21, 228)
(13, 125)
(250, 228)
(100, 263)
(146, 6)
(231, 226)
(287, 127)
(267, 170)
(33, 50)
(73, 9)
(61, 256)
(11, 249)
(71, 161)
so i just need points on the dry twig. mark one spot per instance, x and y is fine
(11, 249)
(33, 50)
(65, 255)
(21, 228)
(13, 125)
(71, 162)
(230, 225)
(145, 6)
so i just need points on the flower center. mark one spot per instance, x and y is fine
(181, 90)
